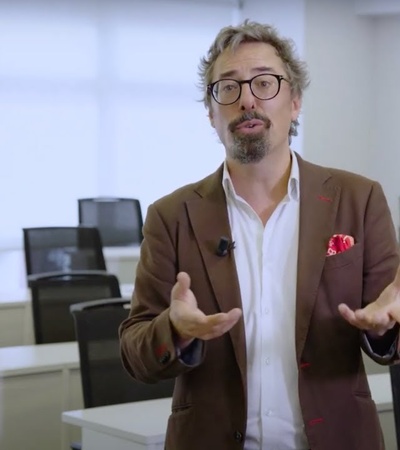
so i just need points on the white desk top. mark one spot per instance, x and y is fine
(14, 298)
(142, 422)
(25, 359)
(118, 253)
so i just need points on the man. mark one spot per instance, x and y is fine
(253, 284)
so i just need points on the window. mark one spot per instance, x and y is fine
(100, 98)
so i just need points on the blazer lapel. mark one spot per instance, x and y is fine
(209, 218)
(318, 206)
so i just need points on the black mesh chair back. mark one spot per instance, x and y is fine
(394, 371)
(104, 379)
(54, 293)
(119, 220)
(53, 249)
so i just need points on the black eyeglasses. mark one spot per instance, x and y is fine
(264, 87)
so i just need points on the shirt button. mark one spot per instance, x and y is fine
(268, 412)
(266, 311)
(267, 361)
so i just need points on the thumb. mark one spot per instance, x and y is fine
(181, 286)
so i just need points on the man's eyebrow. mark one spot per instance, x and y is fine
(261, 69)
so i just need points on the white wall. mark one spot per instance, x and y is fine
(384, 162)
(338, 104)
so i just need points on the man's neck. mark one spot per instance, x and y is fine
(266, 180)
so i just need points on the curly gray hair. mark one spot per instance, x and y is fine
(231, 37)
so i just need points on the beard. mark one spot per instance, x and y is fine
(248, 149)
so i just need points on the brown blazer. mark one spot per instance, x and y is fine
(181, 233)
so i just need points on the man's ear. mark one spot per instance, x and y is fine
(211, 118)
(296, 107)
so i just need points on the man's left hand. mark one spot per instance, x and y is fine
(379, 316)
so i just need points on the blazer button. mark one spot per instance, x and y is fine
(238, 436)
(165, 357)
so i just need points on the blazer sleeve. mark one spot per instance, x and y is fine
(381, 259)
(146, 338)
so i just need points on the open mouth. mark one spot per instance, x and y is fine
(250, 124)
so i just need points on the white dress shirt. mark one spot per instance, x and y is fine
(266, 262)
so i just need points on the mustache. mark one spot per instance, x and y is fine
(248, 116)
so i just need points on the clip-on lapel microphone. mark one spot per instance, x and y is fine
(224, 246)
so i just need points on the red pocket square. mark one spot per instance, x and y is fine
(339, 243)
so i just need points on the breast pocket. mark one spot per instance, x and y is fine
(342, 277)
(345, 258)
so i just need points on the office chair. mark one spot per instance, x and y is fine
(53, 293)
(53, 249)
(394, 371)
(104, 379)
(119, 220)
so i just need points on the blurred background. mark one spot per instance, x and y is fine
(100, 98)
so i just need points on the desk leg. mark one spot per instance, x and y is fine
(65, 444)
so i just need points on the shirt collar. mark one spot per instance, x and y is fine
(293, 188)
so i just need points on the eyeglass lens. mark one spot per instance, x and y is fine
(263, 86)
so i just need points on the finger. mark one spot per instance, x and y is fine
(350, 316)
(219, 324)
(373, 321)
(181, 286)
(394, 312)
(217, 331)
(395, 315)
(347, 313)
(222, 318)
(234, 315)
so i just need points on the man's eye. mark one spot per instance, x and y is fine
(229, 87)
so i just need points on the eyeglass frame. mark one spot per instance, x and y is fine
(210, 87)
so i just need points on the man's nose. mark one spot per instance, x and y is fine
(247, 99)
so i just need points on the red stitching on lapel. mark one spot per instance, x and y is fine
(315, 421)
(304, 365)
(324, 199)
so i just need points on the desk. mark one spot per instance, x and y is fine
(128, 426)
(142, 425)
(16, 322)
(37, 383)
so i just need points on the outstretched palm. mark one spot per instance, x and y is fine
(189, 321)
(380, 315)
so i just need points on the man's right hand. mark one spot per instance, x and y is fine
(187, 319)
